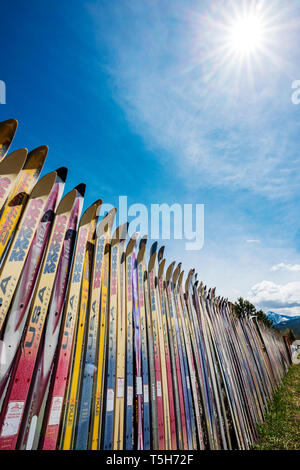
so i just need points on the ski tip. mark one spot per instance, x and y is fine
(13, 162)
(41, 149)
(123, 230)
(151, 261)
(169, 272)
(62, 173)
(153, 248)
(188, 279)
(8, 128)
(88, 215)
(176, 273)
(10, 123)
(132, 243)
(39, 153)
(160, 253)
(135, 236)
(44, 185)
(106, 223)
(180, 278)
(143, 241)
(142, 249)
(98, 205)
(120, 233)
(67, 202)
(81, 188)
(161, 268)
(7, 132)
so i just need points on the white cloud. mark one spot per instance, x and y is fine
(253, 241)
(268, 295)
(286, 267)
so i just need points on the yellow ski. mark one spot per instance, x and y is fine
(7, 131)
(18, 198)
(71, 399)
(58, 386)
(100, 296)
(121, 347)
(19, 248)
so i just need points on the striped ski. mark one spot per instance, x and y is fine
(177, 410)
(89, 369)
(20, 305)
(118, 441)
(45, 361)
(144, 346)
(189, 410)
(178, 384)
(14, 403)
(53, 412)
(129, 409)
(69, 423)
(199, 361)
(98, 394)
(157, 355)
(138, 357)
(194, 384)
(173, 439)
(108, 434)
(152, 379)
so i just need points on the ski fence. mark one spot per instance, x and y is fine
(102, 346)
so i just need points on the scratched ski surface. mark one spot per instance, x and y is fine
(21, 301)
(189, 411)
(152, 379)
(22, 374)
(184, 318)
(157, 354)
(177, 366)
(69, 423)
(20, 246)
(98, 398)
(129, 410)
(108, 434)
(144, 346)
(54, 408)
(89, 369)
(161, 298)
(118, 441)
(138, 358)
(10, 168)
(40, 385)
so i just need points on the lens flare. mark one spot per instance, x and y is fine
(246, 34)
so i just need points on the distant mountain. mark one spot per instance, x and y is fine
(282, 322)
(277, 318)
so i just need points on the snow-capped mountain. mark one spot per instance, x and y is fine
(277, 318)
(283, 322)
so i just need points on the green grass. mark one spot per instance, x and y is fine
(281, 429)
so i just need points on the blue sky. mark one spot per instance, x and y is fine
(141, 98)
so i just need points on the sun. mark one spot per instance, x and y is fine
(246, 34)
